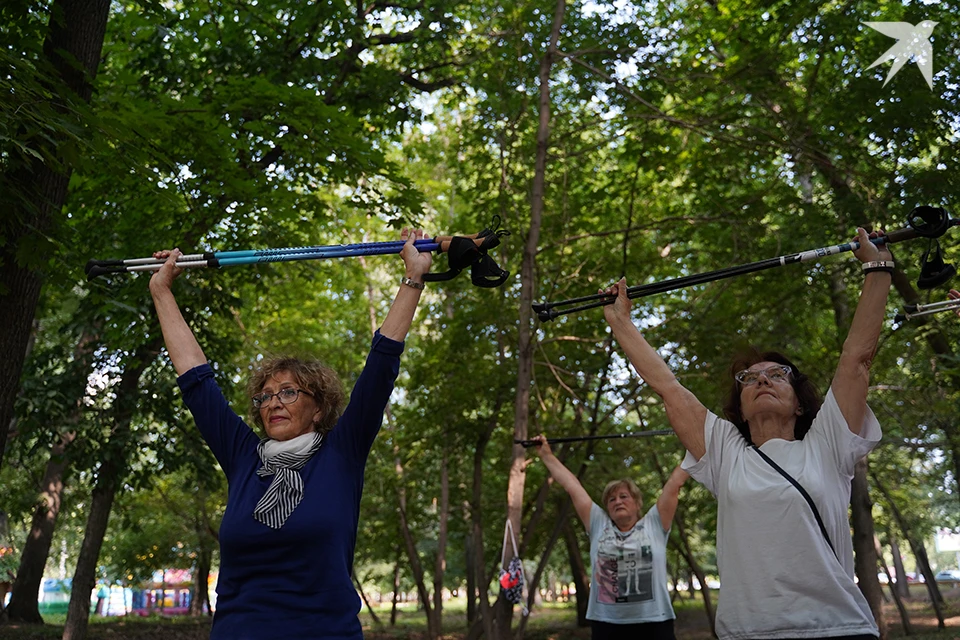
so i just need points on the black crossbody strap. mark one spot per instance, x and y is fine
(803, 492)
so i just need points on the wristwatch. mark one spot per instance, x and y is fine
(411, 283)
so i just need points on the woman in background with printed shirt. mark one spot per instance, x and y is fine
(628, 594)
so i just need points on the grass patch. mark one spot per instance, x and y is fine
(548, 621)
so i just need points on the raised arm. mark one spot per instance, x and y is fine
(565, 478)
(852, 378)
(667, 502)
(182, 345)
(400, 317)
(684, 411)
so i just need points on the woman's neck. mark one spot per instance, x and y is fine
(770, 427)
(625, 526)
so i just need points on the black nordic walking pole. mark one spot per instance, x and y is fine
(526, 444)
(912, 311)
(929, 222)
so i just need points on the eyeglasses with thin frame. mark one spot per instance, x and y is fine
(776, 373)
(285, 396)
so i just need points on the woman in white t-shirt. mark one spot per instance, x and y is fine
(786, 570)
(628, 553)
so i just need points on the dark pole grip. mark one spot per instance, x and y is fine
(899, 235)
(92, 264)
(98, 270)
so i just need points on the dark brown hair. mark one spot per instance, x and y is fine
(807, 393)
(312, 376)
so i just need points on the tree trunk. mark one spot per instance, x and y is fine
(85, 576)
(23, 600)
(476, 516)
(396, 591)
(686, 551)
(865, 560)
(441, 564)
(919, 552)
(112, 469)
(470, 570)
(904, 615)
(366, 601)
(534, 583)
(525, 337)
(581, 579)
(433, 629)
(201, 581)
(72, 47)
(903, 584)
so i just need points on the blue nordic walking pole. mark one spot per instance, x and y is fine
(96, 268)
(462, 252)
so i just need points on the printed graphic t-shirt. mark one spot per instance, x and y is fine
(629, 583)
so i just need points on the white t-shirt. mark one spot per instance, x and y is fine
(629, 583)
(778, 576)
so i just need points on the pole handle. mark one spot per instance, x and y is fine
(897, 236)
(97, 270)
(446, 239)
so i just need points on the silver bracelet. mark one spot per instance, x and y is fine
(878, 265)
(411, 283)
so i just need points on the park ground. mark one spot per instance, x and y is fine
(547, 622)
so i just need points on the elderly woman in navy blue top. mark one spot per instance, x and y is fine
(288, 535)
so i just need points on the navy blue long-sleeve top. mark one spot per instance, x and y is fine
(292, 582)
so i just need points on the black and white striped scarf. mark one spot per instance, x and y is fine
(284, 459)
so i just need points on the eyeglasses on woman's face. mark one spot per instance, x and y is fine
(285, 396)
(776, 373)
